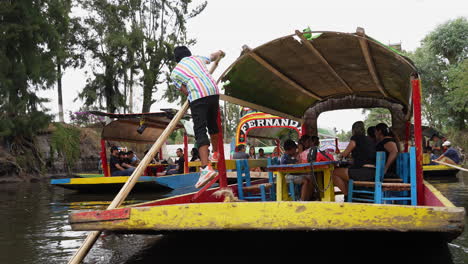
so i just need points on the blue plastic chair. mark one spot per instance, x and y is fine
(245, 187)
(381, 192)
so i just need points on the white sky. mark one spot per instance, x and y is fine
(228, 25)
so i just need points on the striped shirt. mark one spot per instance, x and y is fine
(192, 72)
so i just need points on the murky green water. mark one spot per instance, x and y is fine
(34, 229)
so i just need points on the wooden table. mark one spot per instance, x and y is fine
(323, 179)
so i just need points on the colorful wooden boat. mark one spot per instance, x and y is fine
(437, 170)
(297, 77)
(123, 128)
(114, 184)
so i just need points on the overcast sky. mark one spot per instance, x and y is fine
(228, 25)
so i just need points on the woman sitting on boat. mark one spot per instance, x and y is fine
(252, 154)
(362, 150)
(386, 142)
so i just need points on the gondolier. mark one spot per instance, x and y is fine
(192, 78)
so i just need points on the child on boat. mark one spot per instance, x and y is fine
(192, 78)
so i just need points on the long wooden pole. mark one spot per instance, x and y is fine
(132, 180)
(450, 165)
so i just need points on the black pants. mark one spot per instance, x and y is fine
(205, 115)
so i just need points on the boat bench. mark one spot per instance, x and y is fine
(248, 191)
(383, 190)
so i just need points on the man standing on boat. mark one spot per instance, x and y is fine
(192, 78)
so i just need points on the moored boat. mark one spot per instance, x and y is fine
(297, 77)
(136, 128)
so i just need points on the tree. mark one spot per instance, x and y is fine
(105, 38)
(67, 47)
(231, 119)
(377, 115)
(344, 136)
(441, 61)
(133, 42)
(27, 67)
(156, 27)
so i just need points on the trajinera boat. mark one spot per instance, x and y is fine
(135, 128)
(298, 77)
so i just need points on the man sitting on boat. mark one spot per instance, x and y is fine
(134, 160)
(179, 168)
(240, 153)
(451, 155)
(116, 166)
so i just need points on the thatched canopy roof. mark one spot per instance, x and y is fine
(291, 74)
(123, 127)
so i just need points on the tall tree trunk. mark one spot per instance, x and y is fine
(148, 84)
(59, 90)
(125, 91)
(109, 89)
(130, 98)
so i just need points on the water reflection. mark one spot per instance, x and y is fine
(35, 228)
(456, 190)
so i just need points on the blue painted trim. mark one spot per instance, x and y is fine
(302, 165)
(177, 181)
(412, 172)
(60, 181)
(240, 180)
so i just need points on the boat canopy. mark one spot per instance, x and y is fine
(320, 71)
(123, 127)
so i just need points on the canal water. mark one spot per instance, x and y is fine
(34, 229)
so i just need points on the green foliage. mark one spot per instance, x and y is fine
(131, 42)
(66, 141)
(449, 41)
(377, 115)
(26, 67)
(344, 136)
(442, 63)
(231, 119)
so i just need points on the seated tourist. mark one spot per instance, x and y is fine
(116, 169)
(290, 152)
(436, 146)
(124, 160)
(134, 160)
(261, 154)
(308, 191)
(386, 142)
(179, 168)
(371, 133)
(451, 155)
(195, 157)
(362, 150)
(321, 155)
(303, 143)
(240, 153)
(252, 154)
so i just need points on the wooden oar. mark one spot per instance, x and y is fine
(132, 180)
(450, 165)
